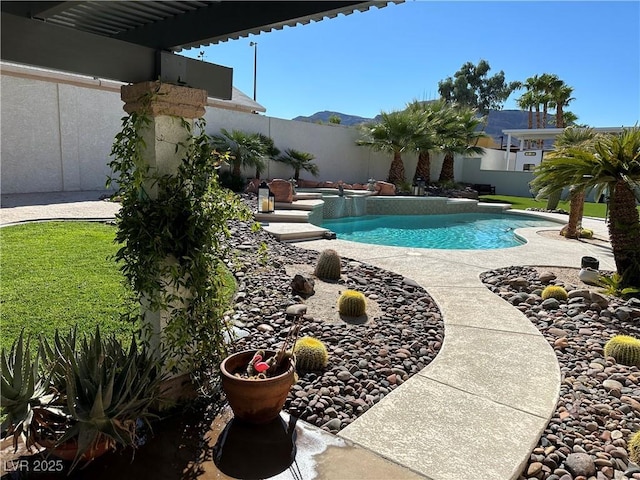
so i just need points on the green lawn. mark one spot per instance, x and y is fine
(61, 274)
(597, 210)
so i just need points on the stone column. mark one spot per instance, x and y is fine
(168, 107)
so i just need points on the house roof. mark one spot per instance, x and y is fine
(550, 133)
(239, 101)
(135, 41)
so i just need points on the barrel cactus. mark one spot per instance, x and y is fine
(554, 291)
(352, 304)
(310, 354)
(328, 266)
(634, 448)
(625, 350)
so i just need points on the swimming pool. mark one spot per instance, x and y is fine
(452, 231)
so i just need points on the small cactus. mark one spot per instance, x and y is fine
(634, 448)
(625, 350)
(328, 266)
(311, 354)
(554, 291)
(352, 304)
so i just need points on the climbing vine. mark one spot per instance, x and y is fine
(172, 230)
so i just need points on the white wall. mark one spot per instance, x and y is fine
(57, 137)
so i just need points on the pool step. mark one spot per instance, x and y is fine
(280, 215)
(307, 204)
(307, 196)
(295, 232)
(490, 207)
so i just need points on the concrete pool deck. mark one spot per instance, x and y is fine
(478, 409)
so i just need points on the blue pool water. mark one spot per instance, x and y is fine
(451, 231)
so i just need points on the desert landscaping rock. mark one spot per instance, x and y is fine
(366, 361)
(599, 405)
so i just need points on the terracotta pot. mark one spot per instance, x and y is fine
(255, 400)
(69, 449)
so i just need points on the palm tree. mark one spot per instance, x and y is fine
(431, 120)
(526, 102)
(561, 94)
(583, 138)
(394, 133)
(613, 163)
(460, 137)
(299, 161)
(247, 149)
(271, 152)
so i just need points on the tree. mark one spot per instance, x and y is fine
(613, 163)
(583, 138)
(335, 119)
(460, 137)
(394, 133)
(472, 87)
(561, 94)
(432, 119)
(247, 149)
(270, 151)
(299, 161)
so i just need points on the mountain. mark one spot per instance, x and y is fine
(498, 120)
(323, 117)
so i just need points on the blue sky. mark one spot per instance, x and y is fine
(381, 59)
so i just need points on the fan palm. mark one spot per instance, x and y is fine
(613, 163)
(394, 133)
(583, 138)
(432, 120)
(460, 137)
(247, 149)
(299, 161)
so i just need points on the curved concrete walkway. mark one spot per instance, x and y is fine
(478, 409)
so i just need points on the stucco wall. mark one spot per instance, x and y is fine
(57, 137)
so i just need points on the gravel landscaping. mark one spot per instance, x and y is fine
(599, 404)
(367, 360)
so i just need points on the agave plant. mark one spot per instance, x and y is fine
(108, 390)
(22, 390)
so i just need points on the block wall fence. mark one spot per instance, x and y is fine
(56, 137)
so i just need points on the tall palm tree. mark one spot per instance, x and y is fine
(394, 134)
(460, 137)
(526, 102)
(247, 149)
(583, 138)
(431, 120)
(613, 163)
(561, 94)
(299, 161)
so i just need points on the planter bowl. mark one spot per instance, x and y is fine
(68, 450)
(253, 400)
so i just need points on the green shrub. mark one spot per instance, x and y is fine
(625, 350)
(311, 354)
(352, 304)
(634, 448)
(328, 266)
(554, 291)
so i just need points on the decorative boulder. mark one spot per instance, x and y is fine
(385, 188)
(302, 285)
(252, 186)
(282, 190)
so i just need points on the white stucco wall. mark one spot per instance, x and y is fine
(57, 137)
